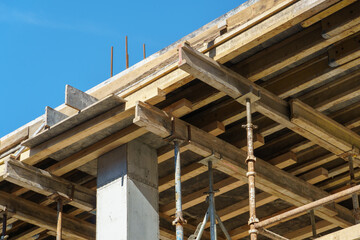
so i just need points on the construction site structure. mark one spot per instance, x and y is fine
(246, 128)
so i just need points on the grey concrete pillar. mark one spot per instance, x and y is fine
(127, 194)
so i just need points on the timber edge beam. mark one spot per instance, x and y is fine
(294, 115)
(45, 183)
(269, 178)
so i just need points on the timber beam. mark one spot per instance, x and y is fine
(45, 183)
(269, 178)
(267, 103)
(45, 217)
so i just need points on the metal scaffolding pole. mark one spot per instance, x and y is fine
(59, 218)
(179, 220)
(213, 234)
(309, 206)
(211, 212)
(250, 160)
(4, 223)
(355, 196)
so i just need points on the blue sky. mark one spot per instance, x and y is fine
(46, 44)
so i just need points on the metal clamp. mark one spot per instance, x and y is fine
(250, 174)
(179, 219)
(253, 231)
(173, 136)
(253, 95)
(253, 220)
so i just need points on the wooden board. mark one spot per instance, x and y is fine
(78, 99)
(90, 112)
(45, 217)
(43, 182)
(269, 178)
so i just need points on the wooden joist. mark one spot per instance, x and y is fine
(43, 182)
(341, 21)
(239, 88)
(45, 217)
(349, 233)
(269, 178)
(326, 128)
(14, 139)
(70, 135)
(344, 52)
(306, 232)
(95, 150)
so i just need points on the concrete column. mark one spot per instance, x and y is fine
(127, 193)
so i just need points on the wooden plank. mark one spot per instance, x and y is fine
(284, 160)
(269, 178)
(234, 85)
(349, 16)
(306, 232)
(45, 183)
(344, 52)
(298, 12)
(75, 134)
(215, 128)
(45, 217)
(196, 169)
(197, 197)
(97, 149)
(349, 233)
(323, 126)
(14, 139)
(78, 99)
(92, 111)
(179, 108)
(316, 175)
(52, 117)
(327, 12)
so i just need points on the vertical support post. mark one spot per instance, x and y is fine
(4, 222)
(313, 223)
(126, 52)
(250, 160)
(144, 52)
(355, 197)
(59, 218)
(179, 220)
(111, 61)
(213, 234)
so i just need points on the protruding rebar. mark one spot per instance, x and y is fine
(355, 196)
(59, 218)
(126, 52)
(250, 160)
(144, 52)
(179, 220)
(111, 61)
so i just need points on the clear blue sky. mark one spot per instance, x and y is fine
(46, 44)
